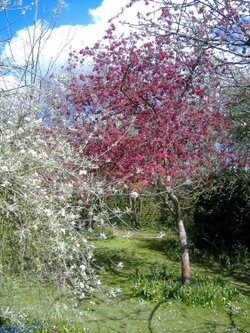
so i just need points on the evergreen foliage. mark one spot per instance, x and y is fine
(221, 217)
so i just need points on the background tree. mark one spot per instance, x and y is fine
(240, 116)
(222, 26)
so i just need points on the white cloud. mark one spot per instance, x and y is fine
(110, 8)
(107, 10)
(8, 82)
(53, 45)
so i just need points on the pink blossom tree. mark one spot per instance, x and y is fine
(150, 115)
(223, 26)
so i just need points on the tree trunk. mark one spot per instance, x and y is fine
(135, 204)
(185, 262)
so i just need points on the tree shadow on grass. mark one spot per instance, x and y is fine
(117, 321)
(116, 266)
(155, 244)
(112, 259)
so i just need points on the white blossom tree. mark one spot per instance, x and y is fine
(42, 179)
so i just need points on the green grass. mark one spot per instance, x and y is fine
(140, 251)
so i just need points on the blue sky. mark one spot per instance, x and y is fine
(73, 12)
(76, 12)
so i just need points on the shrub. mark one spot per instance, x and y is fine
(221, 216)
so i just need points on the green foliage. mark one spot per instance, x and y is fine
(240, 117)
(222, 215)
(146, 210)
(165, 285)
(242, 254)
(172, 248)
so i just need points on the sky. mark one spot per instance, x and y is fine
(73, 12)
(80, 23)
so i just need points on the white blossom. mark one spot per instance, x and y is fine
(134, 194)
(120, 265)
(4, 168)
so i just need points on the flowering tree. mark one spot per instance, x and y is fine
(223, 26)
(220, 26)
(150, 116)
(40, 175)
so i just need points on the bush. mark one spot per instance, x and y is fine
(221, 216)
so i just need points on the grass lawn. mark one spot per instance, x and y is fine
(115, 308)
